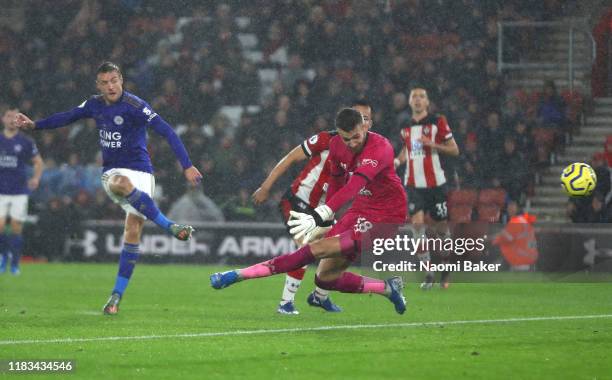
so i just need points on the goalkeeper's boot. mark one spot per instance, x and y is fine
(181, 231)
(112, 305)
(428, 283)
(396, 286)
(287, 308)
(325, 304)
(445, 279)
(3, 260)
(222, 280)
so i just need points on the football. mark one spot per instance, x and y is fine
(578, 179)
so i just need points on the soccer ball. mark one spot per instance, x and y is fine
(578, 179)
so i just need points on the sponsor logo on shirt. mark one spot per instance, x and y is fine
(9, 162)
(369, 161)
(110, 139)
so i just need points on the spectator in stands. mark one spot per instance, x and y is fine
(491, 144)
(599, 164)
(551, 110)
(513, 173)
(469, 169)
(194, 76)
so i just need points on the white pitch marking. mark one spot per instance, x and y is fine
(303, 329)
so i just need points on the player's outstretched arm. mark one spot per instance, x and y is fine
(448, 147)
(37, 165)
(263, 192)
(57, 120)
(192, 174)
(401, 158)
(24, 122)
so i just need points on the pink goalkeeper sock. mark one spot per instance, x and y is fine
(279, 264)
(373, 285)
(257, 270)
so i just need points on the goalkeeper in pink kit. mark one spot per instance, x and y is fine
(362, 170)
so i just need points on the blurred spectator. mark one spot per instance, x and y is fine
(513, 175)
(469, 171)
(306, 58)
(194, 206)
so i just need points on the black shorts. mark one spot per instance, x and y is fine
(289, 202)
(431, 201)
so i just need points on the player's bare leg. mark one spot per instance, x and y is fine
(319, 297)
(3, 246)
(328, 270)
(338, 247)
(122, 186)
(15, 244)
(420, 231)
(129, 256)
(443, 232)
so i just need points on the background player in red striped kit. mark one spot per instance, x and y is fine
(361, 170)
(424, 137)
(307, 192)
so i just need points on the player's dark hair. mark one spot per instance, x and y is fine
(347, 119)
(108, 67)
(362, 103)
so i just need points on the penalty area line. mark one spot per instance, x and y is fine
(302, 329)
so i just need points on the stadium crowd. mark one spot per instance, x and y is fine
(244, 82)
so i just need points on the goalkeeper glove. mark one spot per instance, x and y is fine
(303, 224)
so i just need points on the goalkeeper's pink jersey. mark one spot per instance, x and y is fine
(383, 196)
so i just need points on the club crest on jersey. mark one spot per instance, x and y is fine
(18, 148)
(426, 130)
(118, 120)
(313, 140)
(344, 166)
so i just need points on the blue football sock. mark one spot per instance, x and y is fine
(16, 244)
(142, 202)
(3, 250)
(127, 261)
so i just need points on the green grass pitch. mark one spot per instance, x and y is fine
(180, 328)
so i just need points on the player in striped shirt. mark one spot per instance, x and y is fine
(425, 136)
(306, 193)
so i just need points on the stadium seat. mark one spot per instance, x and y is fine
(492, 196)
(465, 197)
(490, 213)
(460, 214)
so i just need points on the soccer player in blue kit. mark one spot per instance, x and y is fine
(16, 152)
(122, 120)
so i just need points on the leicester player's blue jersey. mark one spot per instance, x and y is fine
(122, 129)
(16, 155)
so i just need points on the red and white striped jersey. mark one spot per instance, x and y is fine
(311, 184)
(423, 168)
